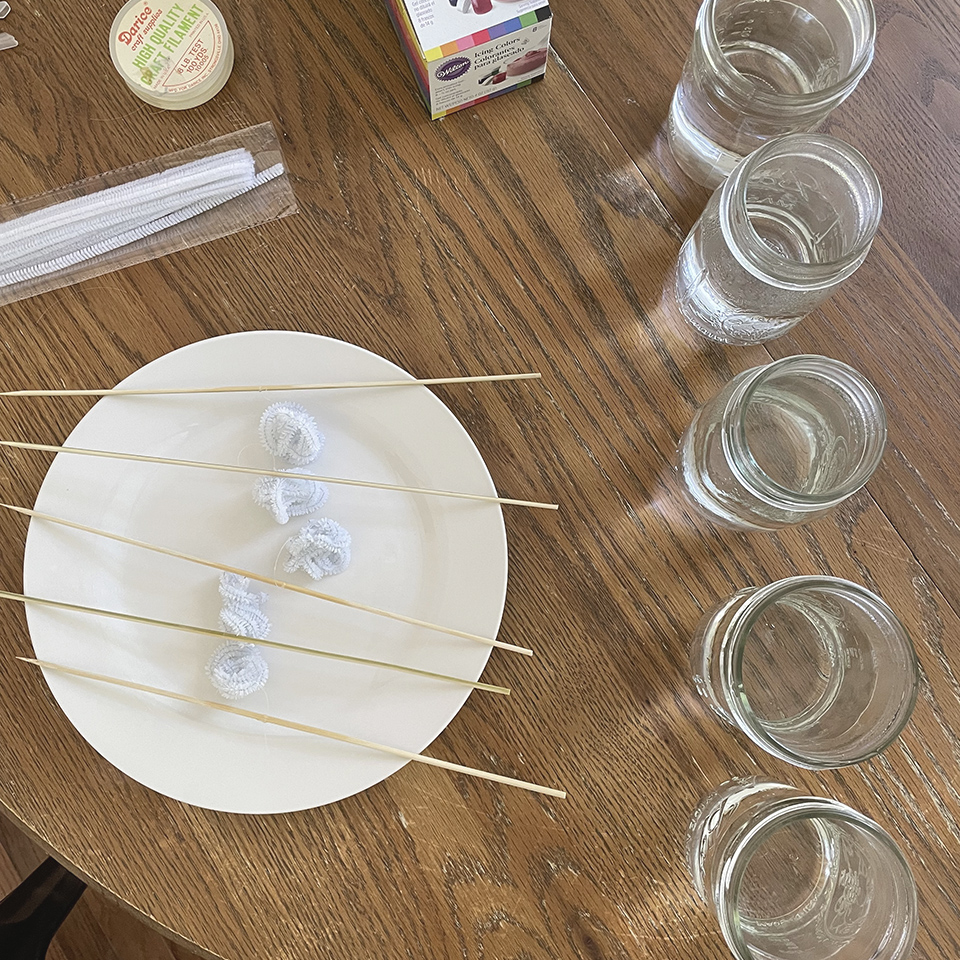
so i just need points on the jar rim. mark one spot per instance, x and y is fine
(783, 813)
(731, 664)
(759, 258)
(706, 27)
(747, 469)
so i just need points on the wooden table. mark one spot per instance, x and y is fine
(531, 233)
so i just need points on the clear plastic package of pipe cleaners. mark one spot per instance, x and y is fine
(147, 210)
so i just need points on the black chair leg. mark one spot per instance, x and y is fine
(32, 914)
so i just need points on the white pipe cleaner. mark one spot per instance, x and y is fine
(93, 216)
(238, 669)
(65, 234)
(322, 548)
(289, 432)
(286, 497)
(240, 613)
(233, 591)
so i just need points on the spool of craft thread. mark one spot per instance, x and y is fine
(173, 55)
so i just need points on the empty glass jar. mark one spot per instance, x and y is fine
(790, 875)
(793, 221)
(783, 443)
(818, 671)
(760, 69)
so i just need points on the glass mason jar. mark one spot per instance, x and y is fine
(793, 221)
(783, 444)
(818, 671)
(760, 69)
(790, 875)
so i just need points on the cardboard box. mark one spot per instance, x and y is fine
(461, 56)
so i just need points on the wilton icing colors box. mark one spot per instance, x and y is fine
(466, 51)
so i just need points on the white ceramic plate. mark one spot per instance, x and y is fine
(437, 559)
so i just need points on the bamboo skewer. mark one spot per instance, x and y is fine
(302, 727)
(222, 635)
(263, 472)
(282, 584)
(267, 388)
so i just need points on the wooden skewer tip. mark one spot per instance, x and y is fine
(271, 644)
(302, 727)
(267, 387)
(267, 472)
(260, 578)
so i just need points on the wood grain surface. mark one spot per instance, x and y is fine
(98, 927)
(523, 234)
(896, 319)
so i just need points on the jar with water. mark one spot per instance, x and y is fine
(790, 875)
(760, 69)
(783, 444)
(793, 221)
(817, 671)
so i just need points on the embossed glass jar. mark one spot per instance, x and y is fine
(792, 222)
(818, 671)
(791, 875)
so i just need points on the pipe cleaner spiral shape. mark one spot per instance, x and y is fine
(288, 432)
(238, 669)
(321, 548)
(286, 497)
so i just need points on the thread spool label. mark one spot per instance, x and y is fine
(167, 47)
